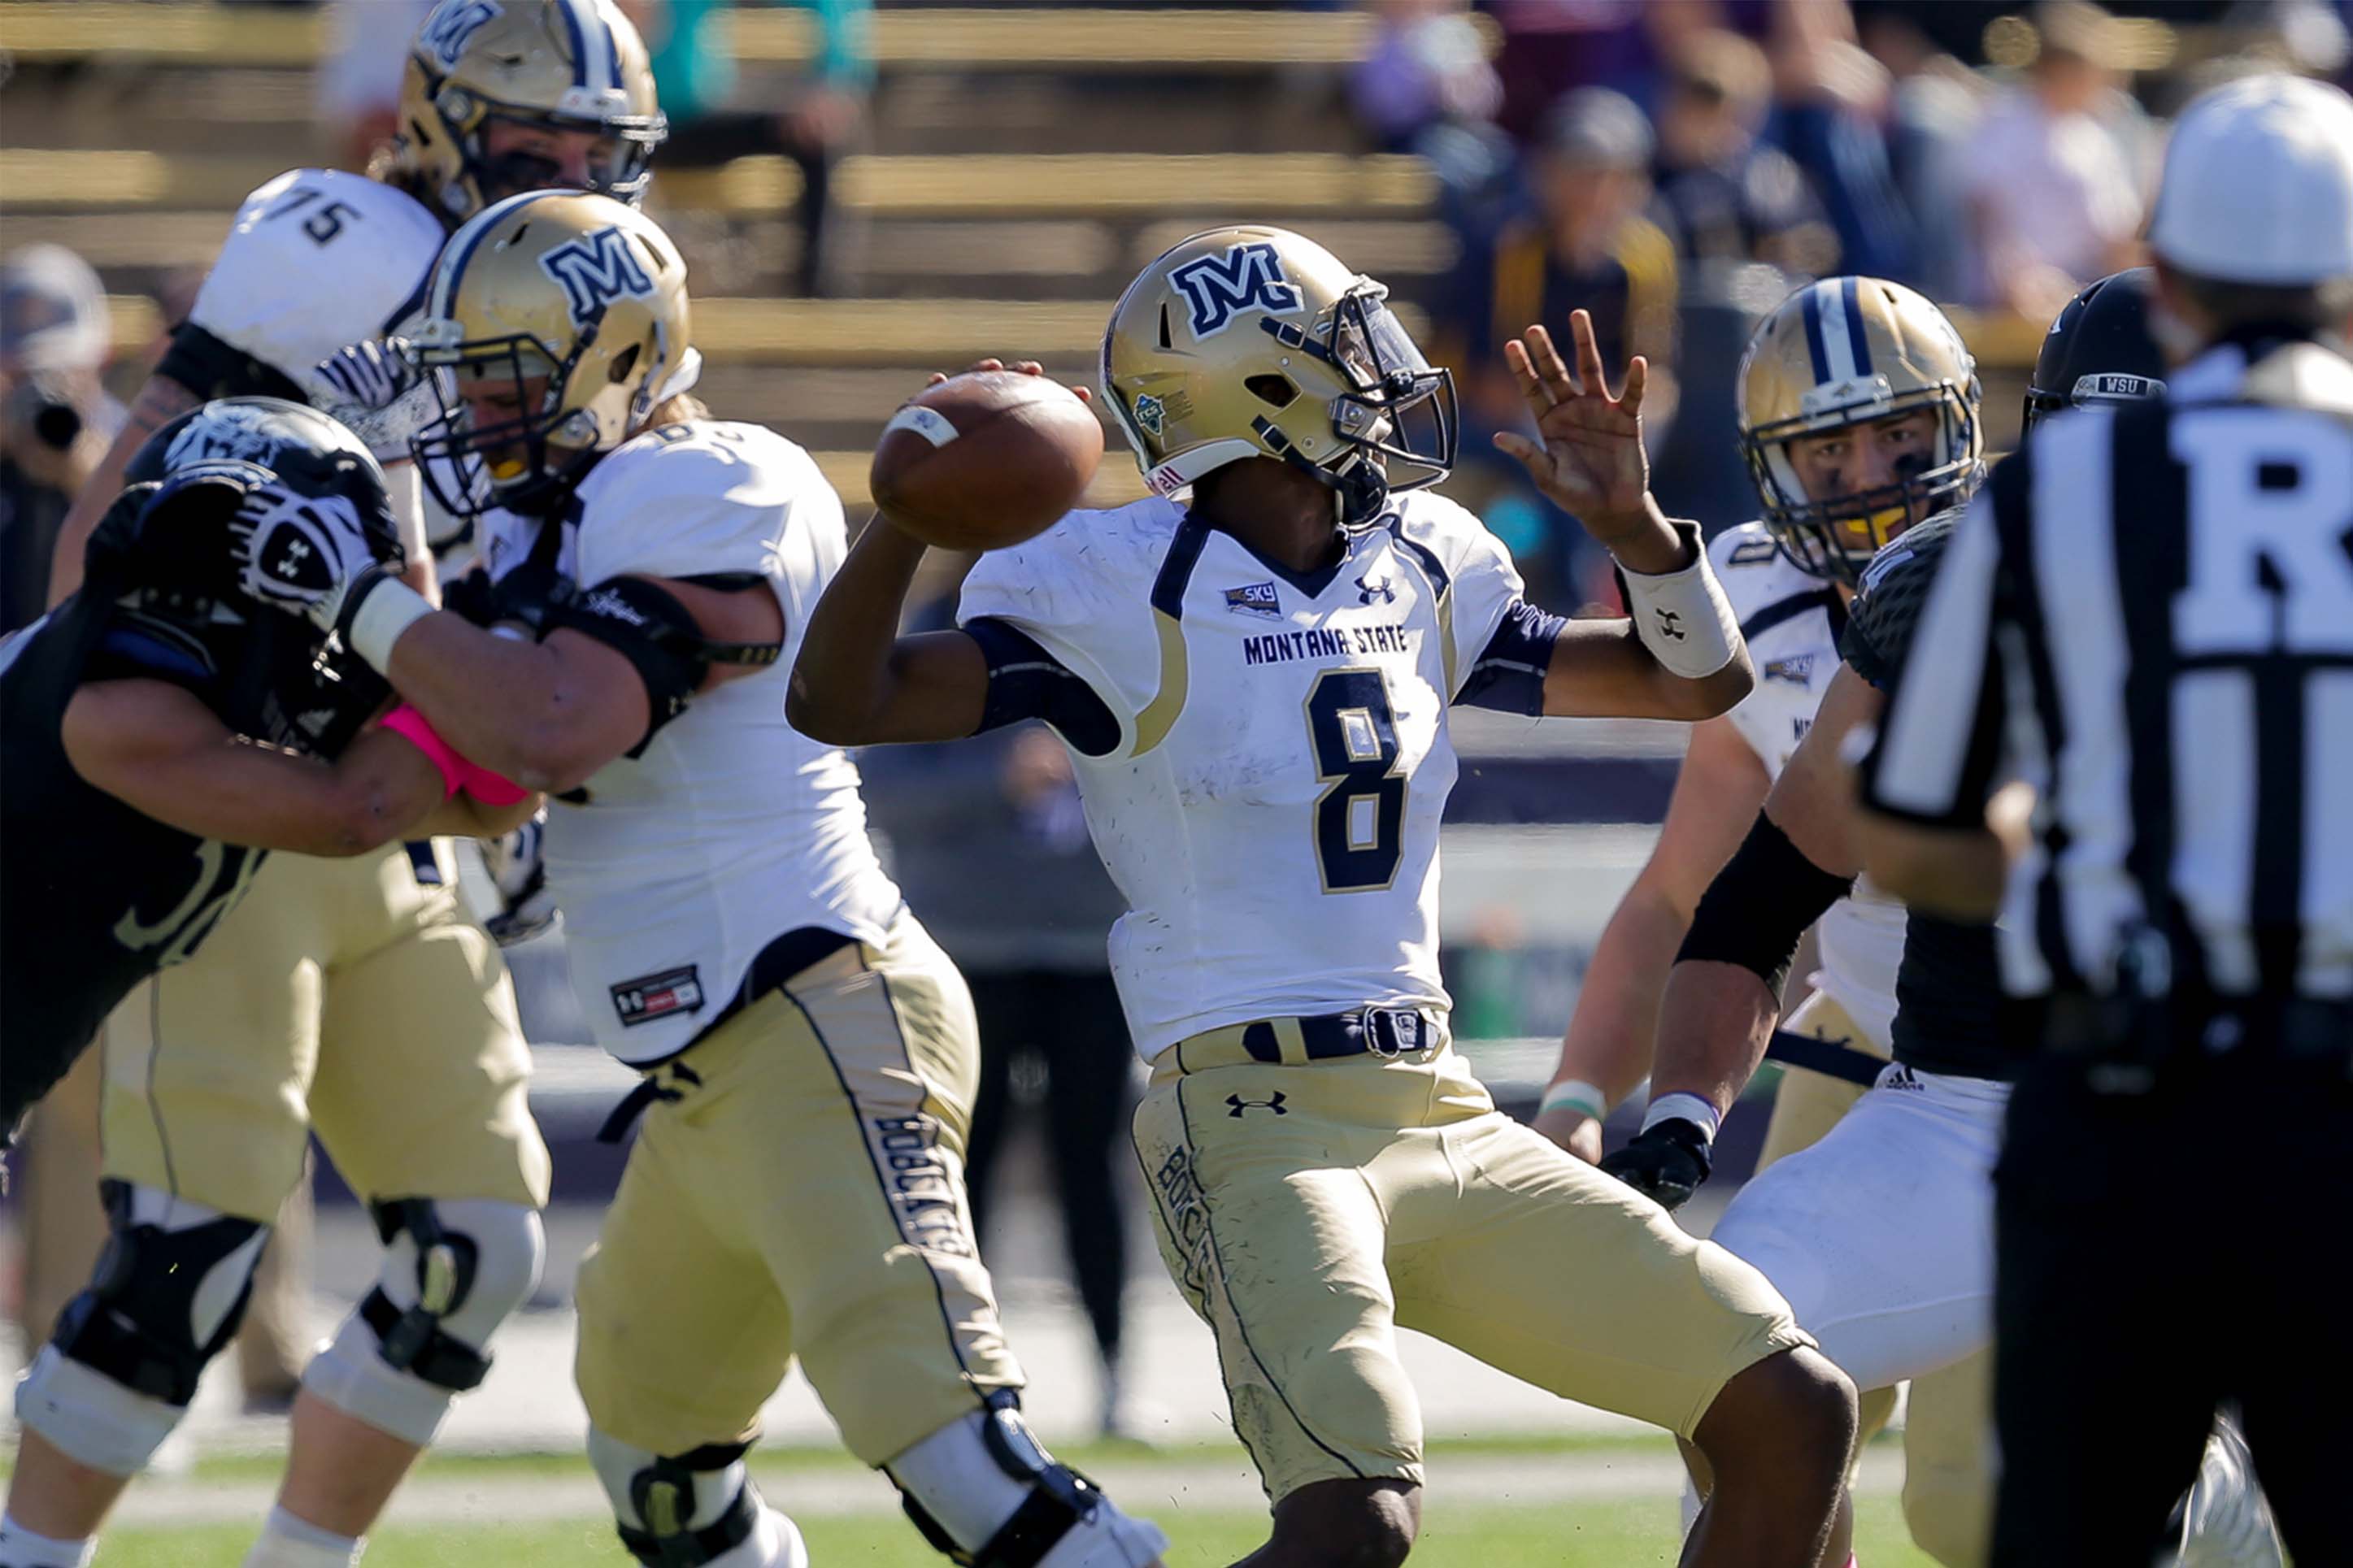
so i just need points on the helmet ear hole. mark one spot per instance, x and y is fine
(1274, 391)
(624, 363)
(1165, 341)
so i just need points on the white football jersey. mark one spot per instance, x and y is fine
(1271, 809)
(318, 260)
(675, 867)
(1792, 623)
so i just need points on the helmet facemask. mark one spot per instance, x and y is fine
(620, 166)
(525, 464)
(1835, 538)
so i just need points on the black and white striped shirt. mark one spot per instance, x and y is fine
(2148, 615)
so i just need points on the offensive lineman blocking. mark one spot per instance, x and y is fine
(353, 996)
(804, 1044)
(1254, 691)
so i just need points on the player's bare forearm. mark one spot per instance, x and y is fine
(1609, 1039)
(463, 816)
(857, 682)
(159, 750)
(1715, 1022)
(160, 401)
(545, 714)
(1813, 800)
(1955, 872)
(1600, 669)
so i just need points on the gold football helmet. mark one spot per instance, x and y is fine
(1848, 350)
(555, 323)
(1255, 343)
(563, 65)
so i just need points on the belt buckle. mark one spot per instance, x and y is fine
(1394, 1031)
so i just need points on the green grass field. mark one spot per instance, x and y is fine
(1604, 1535)
(1618, 1532)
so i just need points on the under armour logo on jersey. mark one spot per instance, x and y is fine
(1367, 590)
(446, 32)
(595, 269)
(1240, 1105)
(1217, 288)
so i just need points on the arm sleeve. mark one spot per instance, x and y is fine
(1025, 681)
(1509, 675)
(1940, 744)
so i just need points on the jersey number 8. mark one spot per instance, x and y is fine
(1358, 818)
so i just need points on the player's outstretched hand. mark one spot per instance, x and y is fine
(1591, 461)
(1018, 367)
(1665, 1164)
(299, 553)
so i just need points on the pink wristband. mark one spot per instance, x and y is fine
(492, 789)
(415, 729)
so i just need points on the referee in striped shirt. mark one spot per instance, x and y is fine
(2134, 677)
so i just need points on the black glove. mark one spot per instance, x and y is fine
(1665, 1164)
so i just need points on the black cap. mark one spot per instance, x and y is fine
(2099, 350)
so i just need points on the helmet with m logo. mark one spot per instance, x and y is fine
(1846, 351)
(1257, 343)
(558, 65)
(555, 323)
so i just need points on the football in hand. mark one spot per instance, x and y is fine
(985, 459)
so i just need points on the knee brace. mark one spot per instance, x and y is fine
(124, 1361)
(685, 1510)
(453, 1269)
(984, 1491)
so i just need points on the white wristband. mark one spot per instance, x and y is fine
(1692, 1108)
(390, 608)
(1682, 617)
(1575, 1094)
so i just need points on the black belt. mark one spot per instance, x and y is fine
(1830, 1057)
(2166, 1028)
(1374, 1031)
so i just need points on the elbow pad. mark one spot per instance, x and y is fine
(1760, 904)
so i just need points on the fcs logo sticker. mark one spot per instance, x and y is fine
(1150, 413)
(1217, 288)
(446, 31)
(595, 269)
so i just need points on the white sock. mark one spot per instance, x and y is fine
(291, 1543)
(20, 1548)
(774, 1542)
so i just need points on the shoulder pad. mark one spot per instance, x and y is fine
(317, 260)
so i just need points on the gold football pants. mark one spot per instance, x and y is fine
(799, 1192)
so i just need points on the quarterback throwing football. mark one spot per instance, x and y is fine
(1254, 687)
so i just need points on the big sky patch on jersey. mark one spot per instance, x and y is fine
(595, 269)
(1219, 289)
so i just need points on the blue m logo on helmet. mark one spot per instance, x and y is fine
(595, 269)
(1217, 288)
(450, 26)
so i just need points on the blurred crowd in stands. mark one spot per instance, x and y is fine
(1673, 166)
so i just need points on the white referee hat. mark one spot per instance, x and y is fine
(2258, 185)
